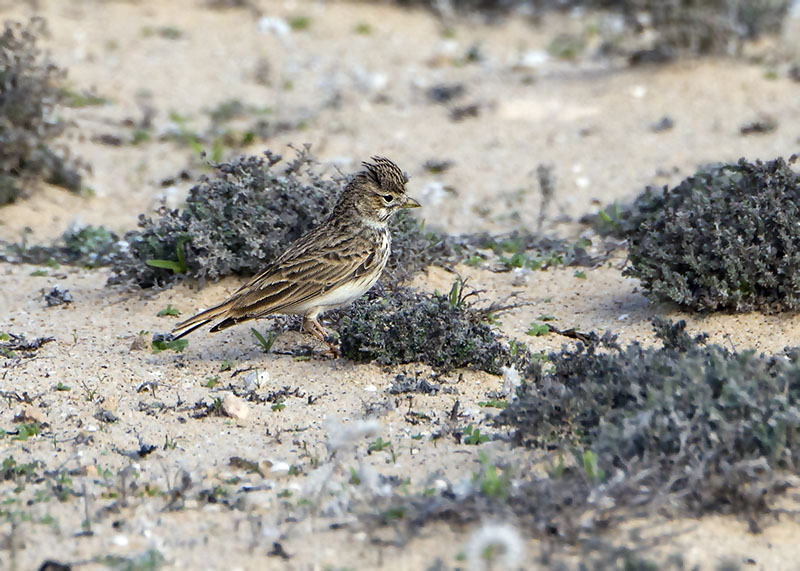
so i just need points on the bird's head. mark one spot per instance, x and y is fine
(378, 191)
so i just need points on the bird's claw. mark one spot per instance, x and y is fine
(333, 347)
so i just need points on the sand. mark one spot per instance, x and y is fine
(350, 95)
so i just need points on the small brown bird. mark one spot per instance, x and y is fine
(329, 267)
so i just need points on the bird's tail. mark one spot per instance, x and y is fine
(204, 317)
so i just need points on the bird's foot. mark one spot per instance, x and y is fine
(333, 346)
(315, 329)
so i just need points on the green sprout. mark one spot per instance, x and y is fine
(379, 445)
(538, 329)
(493, 403)
(179, 267)
(300, 23)
(266, 344)
(473, 435)
(169, 310)
(177, 345)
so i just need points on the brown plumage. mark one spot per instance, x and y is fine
(331, 266)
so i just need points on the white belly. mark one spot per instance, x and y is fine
(347, 293)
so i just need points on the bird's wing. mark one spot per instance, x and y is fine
(308, 269)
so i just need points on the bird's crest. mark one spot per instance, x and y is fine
(385, 174)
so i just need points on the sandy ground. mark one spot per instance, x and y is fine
(352, 95)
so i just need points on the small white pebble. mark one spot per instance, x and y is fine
(280, 468)
(638, 91)
(120, 540)
(277, 26)
(511, 380)
(448, 48)
(371, 389)
(521, 276)
(623, 317)
(256, 379)
(370, 81)
(533, 59)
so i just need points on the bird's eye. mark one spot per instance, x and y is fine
(388, 198)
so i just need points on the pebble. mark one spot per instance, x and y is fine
(277, 26)
(235, 407)
(31, 413)
(638, 91)
(280, 468)
(511, 380)
(521, 276)
(256, 380)
(532, 59)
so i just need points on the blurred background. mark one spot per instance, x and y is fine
(476, 100)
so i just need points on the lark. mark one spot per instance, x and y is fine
(331, 266)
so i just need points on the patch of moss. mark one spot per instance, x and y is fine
(724, 239)
(409, 326)
(29, 97)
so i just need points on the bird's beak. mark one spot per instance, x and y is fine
(411, 203)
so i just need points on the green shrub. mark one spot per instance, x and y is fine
(29, 98)
(725, 238)
(701, 426)
(408, 326)
(234, 223)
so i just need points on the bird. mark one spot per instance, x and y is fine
(331, 266)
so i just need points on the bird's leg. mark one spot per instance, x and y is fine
(312, 326)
